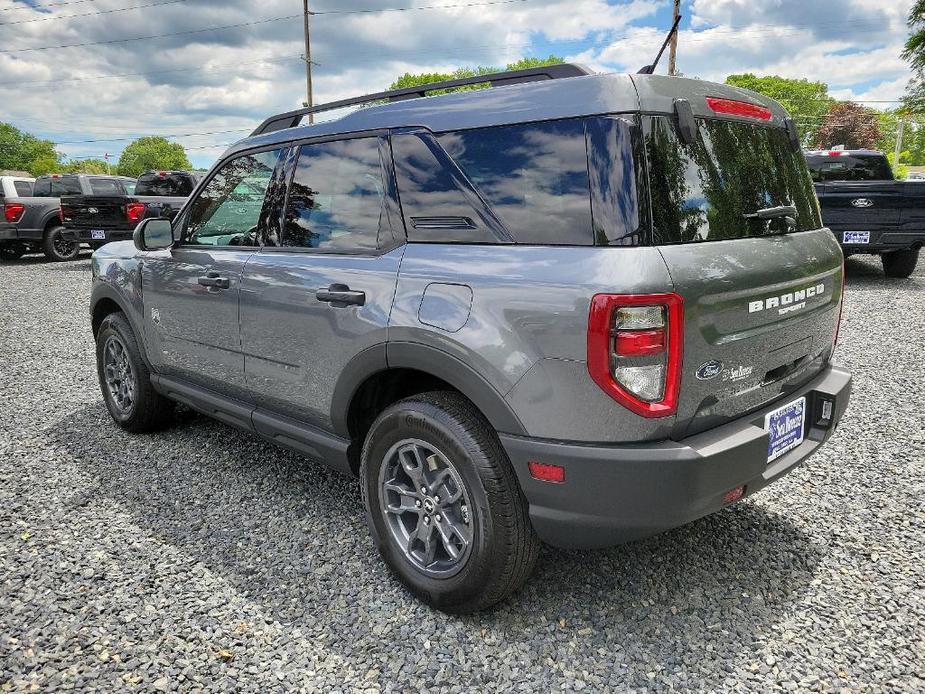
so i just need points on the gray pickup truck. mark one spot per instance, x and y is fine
(573, 308)
(100, 218)
(32, 223)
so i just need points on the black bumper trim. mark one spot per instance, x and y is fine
(615, 494)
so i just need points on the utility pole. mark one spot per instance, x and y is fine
(673, 51)
(308, 64)
(899, 142)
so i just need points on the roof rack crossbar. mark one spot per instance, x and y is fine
(290, 119)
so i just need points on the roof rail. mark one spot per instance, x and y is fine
(290, 119)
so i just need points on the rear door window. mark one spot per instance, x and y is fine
(53, 187)
(23, 188)
(167, 185)
(849, 167)
(702, 191)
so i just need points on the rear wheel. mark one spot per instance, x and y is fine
(12, 252)
(58, 248)
(443, 503)
(126, 381)
(900, 263)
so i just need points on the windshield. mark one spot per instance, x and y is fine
(849, 167)
(702, 191)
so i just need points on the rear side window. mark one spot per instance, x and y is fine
(337, 197)
(534, 178)
(56, 187)
(702, 191)
(849, 167)
(23, 188)
(104, 186)
(168, 185)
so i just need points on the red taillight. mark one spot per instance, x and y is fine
(635, 346)
(544, 472)
(12, 211)
(134, 211)
(738, 108)
(836, 153)
(162, 174)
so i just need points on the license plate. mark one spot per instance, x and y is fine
(98, 234)
(786, 427)
(856, 237)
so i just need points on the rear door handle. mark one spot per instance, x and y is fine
(340, 295)
(213, 279)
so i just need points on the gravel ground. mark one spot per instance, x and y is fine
(204, 559)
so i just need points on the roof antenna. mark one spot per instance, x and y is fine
(649, 69)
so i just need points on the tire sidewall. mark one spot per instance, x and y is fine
(420, 420)
(114, 327)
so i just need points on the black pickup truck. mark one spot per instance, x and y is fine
(99, 219)
(867, 209)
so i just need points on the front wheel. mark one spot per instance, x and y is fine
(58, 248)
(443, 504)
(126, 381)
(900, 264)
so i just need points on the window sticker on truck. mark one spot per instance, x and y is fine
(855, 237)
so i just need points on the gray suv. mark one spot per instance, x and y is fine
(570, 308)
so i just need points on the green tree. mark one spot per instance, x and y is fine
(87, 166)
(851, 125)
(914, 52)
(807, 102)
(416, 80)
(21, 151)
(152, 153)
(913, 142)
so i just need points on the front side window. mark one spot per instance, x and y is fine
(703, 191)
(337, 197)
(104, 186)
(227, 210)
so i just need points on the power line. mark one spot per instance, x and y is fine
(245, 24)
(90, 14)
(42, 7)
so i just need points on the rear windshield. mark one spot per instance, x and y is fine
(849, 167)
(168, 185)
(702, 191)
(51, 187)
(23, 188)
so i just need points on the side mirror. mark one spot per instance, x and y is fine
(153, 233)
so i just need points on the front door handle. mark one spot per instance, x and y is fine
(340, 295)
(213, 279)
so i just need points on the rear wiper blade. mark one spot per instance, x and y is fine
(773, 213)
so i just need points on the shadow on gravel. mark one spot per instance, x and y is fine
(291, 535)
(866, 272)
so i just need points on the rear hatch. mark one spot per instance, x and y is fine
(761, 295)
(95, 211)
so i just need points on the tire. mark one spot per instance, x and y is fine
(8, 253)
(900, 264)
(56, 247)
(125, 380)
(442, 435)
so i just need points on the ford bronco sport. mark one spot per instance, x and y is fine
(570, 308)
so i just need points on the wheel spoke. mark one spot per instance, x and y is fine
(449, 530)
(412, 464)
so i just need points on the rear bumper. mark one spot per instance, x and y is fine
(615, 494)
(86, 236)
(10, 232)
(882, 240)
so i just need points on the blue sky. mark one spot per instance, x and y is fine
(205, 89)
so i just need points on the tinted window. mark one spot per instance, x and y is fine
(128, 187)
(23, 188)
(227, 210)
(104, 186)
(170, 185)
(438, 203)
(615, 164)
(701, 191)
(853, 167)
(55, 187)
(337, 197)
(533, 176)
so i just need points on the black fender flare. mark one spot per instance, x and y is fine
(47, 218)
(102, 291)
(430, 360)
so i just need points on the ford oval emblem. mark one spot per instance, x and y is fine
(862, 202)
(709, 369)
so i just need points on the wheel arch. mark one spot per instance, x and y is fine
(104, 300)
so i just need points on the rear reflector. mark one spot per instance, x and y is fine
(12, 211)
(738, 108)
(635, 344)
(734, 494)
(544, 472)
